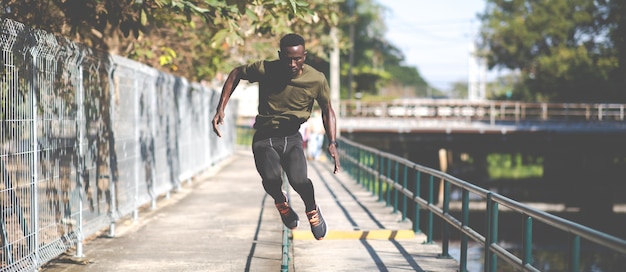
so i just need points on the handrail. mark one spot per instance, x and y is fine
(380, 173)
(483, 110)
(286, 242)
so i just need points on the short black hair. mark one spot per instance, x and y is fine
(291, 39)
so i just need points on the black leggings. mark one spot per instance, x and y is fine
(273, 153)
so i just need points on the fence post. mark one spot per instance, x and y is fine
(445, 240)
(418, 184)
(488, 241)
(33, 241)
(404, 197)
(379, 183)
(527, 245)
(464, 238)
(359, 163)
(600, 112)
(575, 254)
(112, 162)
(492, 114)
(492, 233)
(284, 267)
(395, 191)
(431, 183)
(371, 164)
(387, 187)
(80, 96)
(137, 135)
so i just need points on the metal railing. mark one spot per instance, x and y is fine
(483, 110)
(88, 138)
(411, 187)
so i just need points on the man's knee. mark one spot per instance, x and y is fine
(304, 183)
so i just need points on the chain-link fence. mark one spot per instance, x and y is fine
(88, 138)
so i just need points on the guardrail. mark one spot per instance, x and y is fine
(87, 139)
(400, 183)
(483, 110)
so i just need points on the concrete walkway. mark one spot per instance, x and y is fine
(224, 221)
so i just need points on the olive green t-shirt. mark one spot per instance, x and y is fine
(285, 103)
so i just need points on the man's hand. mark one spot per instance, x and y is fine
(218, 120)
(332, 150)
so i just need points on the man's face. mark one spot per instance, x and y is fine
(293, 57)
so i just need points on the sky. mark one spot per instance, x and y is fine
(434, 36)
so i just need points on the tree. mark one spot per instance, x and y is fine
(459, 89)
(407, 81)
(198, 38)
(376, 62)
(192, 38)
(565, 50)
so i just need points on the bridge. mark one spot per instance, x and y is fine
(574, 142)
(458, 116)
(93, 145)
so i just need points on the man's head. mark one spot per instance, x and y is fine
(292, 53)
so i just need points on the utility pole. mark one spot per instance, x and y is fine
(351, 54)
(477, 71)
(335, 74)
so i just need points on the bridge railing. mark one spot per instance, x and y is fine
(483, 110)
(410, 188)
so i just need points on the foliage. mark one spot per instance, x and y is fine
(502, 88)
(460, 89)
(565, 50)
(406, 82)
(514, 166)
(192, 38)
(376, 62)
(198, 38)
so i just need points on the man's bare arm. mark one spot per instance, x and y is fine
(330, 125)
(227, 90)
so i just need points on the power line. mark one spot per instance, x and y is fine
(413, 27)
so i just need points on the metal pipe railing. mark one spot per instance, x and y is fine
(356, 159)
(483, 110)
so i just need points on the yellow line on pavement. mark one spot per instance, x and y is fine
(357, 235)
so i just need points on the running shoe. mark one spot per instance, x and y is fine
(289, 217)
(318, 225)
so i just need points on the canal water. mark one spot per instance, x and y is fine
(545, 258)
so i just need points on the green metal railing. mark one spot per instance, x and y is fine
(286, 242)
(411, 187)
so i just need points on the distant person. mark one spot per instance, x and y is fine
(287, 90)
(304, 127)
(315, 135)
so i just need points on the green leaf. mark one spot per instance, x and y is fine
(169, 51)
(144, 18)
(219, 38)
(294, 6)
(164, 60)
(250, 14)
